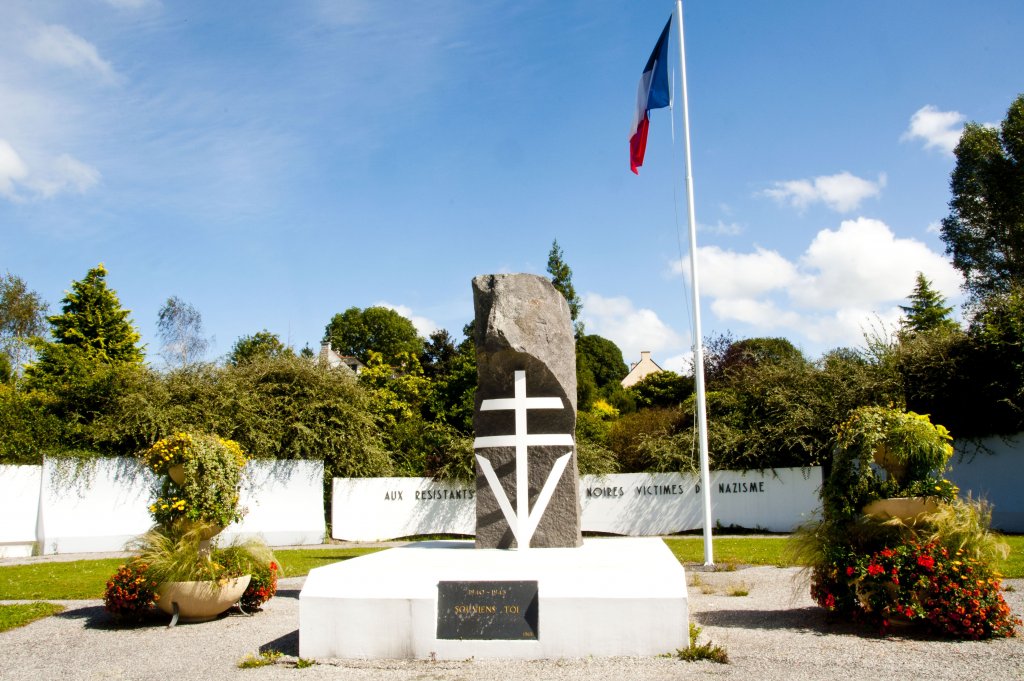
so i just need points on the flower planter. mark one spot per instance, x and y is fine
(889, 462)
(200, 601)
(907, 509)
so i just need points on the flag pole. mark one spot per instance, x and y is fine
(698, 350)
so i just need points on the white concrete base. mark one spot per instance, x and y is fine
(621, 596)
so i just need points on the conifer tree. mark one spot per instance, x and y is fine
(93, 322)
(927, 310)
(561, 277)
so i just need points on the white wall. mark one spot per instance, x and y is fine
(99, 505)
(993, 471)
(373, 509)
(637, 504)
(19, 509)
(93, 505)
(641, 504)
(284, 502)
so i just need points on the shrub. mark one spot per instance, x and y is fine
(951, 592)
(130, 593)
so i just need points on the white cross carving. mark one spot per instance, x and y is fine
(522, 521)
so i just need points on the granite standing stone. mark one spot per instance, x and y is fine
(523, 326)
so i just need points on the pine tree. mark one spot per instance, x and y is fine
(561, 277)
(927, 310)
(93, 321)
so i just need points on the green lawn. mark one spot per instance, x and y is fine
(84, 579)
(20, 614)
(735, 550)
(298, 562)
(772, 551)
(73, 580)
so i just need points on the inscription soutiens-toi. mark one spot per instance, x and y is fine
(487, 610)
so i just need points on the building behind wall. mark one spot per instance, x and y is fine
(638, 371)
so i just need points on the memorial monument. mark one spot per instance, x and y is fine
(530, 586)
(527, 481)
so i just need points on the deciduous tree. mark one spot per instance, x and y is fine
(261, 345)
(180, 326)
(22, 316)
(359, 332)
(984, 231)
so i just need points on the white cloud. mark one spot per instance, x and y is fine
(55, 44)
(12, 169)
(632, 329)
(758, 313)
(727, 274)
(864, 264)
(939, 129)
(64, 174)
(722, 228)
(842, 192)
(67, 174)
(846, 280)
(424, 326)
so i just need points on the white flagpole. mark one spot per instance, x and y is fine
(698, 350)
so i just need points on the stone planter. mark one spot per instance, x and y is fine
(200, 601)
(894, 466)
(907, 509)
(177, 474)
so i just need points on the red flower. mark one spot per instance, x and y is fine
(926, 561)
(850, 570)
(874, 569)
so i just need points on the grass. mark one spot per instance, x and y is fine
(264, 659)
(74, 580)
(705, 651)
(86, 579)
(740, 589)
(20, 614)
(1013, 566)
(298, 562)
(731, 550)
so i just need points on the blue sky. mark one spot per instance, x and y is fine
(276, 163)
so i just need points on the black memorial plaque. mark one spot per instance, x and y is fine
(487, 611)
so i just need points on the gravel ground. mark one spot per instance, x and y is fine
(773, 632)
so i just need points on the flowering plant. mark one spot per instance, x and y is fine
(951, 592)
(130, 592)
(169, 451)
(262, 585)
(212, 476)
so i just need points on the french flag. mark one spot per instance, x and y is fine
(652, 93)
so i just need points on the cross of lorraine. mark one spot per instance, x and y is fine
(522, 520)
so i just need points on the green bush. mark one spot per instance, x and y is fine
(29, 431)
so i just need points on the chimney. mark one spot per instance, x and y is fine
(645, 355)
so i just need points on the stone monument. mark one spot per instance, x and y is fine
(527, 480)
(553, 595)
